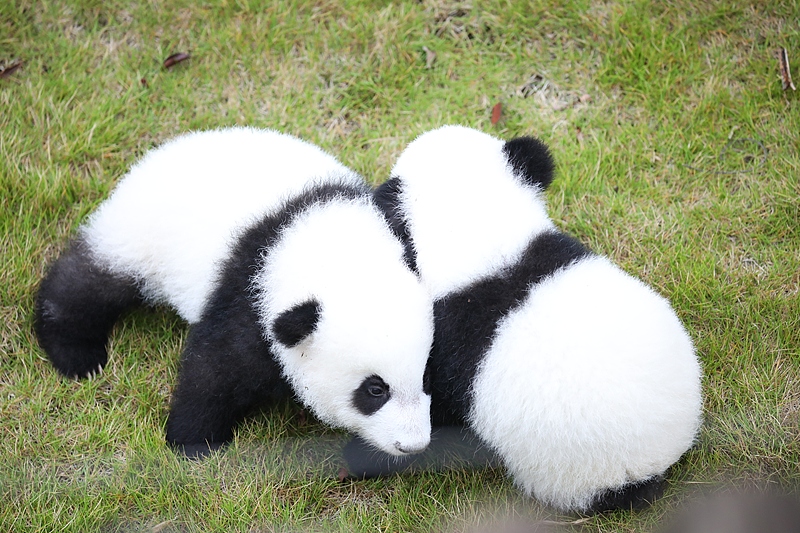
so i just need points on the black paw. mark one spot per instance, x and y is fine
(78, 360)
(451, 448)
(365, 462)
(633, 496)
(198, 451)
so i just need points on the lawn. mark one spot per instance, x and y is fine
(678, 156)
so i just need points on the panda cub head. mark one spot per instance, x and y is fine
(469, 203)
(353, 346)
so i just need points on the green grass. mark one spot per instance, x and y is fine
(642, 178)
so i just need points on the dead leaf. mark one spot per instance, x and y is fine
(10, 69)
(174, 59)
(497, 112)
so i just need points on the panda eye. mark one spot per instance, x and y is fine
(371, 395)
(377, 390)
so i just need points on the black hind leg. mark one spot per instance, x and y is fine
(632, 496)
(76, 307)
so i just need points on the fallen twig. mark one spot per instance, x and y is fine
(786, 75)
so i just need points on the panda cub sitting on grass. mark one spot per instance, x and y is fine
(288, 274)
(580, 377)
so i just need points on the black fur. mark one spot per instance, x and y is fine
(631, 497)
(77, 305)
(364, 461)
(465, 321)
(371, 395)
(450, 447)
(227, 368)
(297, 323)
(387, 198)
(531, 160)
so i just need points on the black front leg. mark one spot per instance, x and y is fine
(203, 414)
(226, 371)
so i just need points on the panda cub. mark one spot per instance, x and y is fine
(291, 280)
(580, 377)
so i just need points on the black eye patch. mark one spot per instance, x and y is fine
(371, 395)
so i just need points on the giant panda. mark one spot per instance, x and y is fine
(290, 278)
(578, 376)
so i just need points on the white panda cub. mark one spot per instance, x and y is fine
(580, 377)
(291, 279)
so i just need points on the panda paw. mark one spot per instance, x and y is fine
(633, 496)
(198, 451)
(365, 462)
(79, 361)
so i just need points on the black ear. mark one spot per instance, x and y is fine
(297, 323)
(387, 198)
(531, 161)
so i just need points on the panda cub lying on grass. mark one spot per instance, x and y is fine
(289, 275)
(579, 377)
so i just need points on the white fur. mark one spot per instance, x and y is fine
(204, 200)
(466, 210)
(599, 382)
(384, 329)
(592, 382)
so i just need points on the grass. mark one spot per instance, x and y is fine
(678, 157)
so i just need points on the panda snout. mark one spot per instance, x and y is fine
(411, 448)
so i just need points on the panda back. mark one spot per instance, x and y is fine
(590, 384)
(171, 220)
